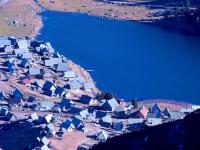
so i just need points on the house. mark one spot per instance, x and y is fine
(47, 75)
(50, 48)
(176, 115)
(100, 114)
(8, 49)
(74, 84)
(135, 123)
(52, 61)
(25, 63)
(44, 147)
(19, 52)
(31, 99)
(60, 91)
(118, 126)
(66, 103)
(2, 95)
(110, 105)
(27, 55)
(62, 67)
(106, 121)
(155, 112)
(57, 109)
(4, 41)
(11, 67)
(49, 86)
(67, 126)
(23, 44)
(46, 105)
(25, 80)
(77, 123)
(48, 118)
(34, 117)
(3, 111)
(50, 130)
(69, 74)
(75, 110)
(120, 111)
(153, 121)
(166, 112)
(88, 86)
(102, 136)
(42, 141)
(10, 117)
(38, 85)
(34, 71)
(84, 114)
(85, 99)
(80, 79)
(155, 108)
(143, 112)
(17, 94)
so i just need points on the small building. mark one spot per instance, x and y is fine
(10, 117)
(34, 117)
(106, 121)
(119, 126)
(8, 49)
(62, 67)
(153, 121)
(19, 52)
(25, 63)
(135, 123)
(38, 85)
(23, 44)
(60, 91)
(17, 94)
(66, 103)
(120, 111)
(3, 111)
(102, 136)
(100, 114)
(77, 123)
(155, 108)
(74, 84)
(25, 80)
(88, 86)
(176, 115)
(85, 99)
(84, 114)
(75, 110)
(27, 55)
(67, 126)
(50, 48)
(110, 105)
(56, 109)
(48, 118)
(69, 74)
(46, 105)
(49, 86)
(143, 112)
(52, 61)
(50, 130)
(34, 72)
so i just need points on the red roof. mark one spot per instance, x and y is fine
(143, 112)
(25, 81)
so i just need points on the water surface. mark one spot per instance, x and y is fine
(128, 59)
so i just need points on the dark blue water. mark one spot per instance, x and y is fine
(128, 59)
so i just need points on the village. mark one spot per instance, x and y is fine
(45, 90)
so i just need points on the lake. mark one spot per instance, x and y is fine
(129, 59)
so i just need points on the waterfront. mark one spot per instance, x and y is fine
(128, 59)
